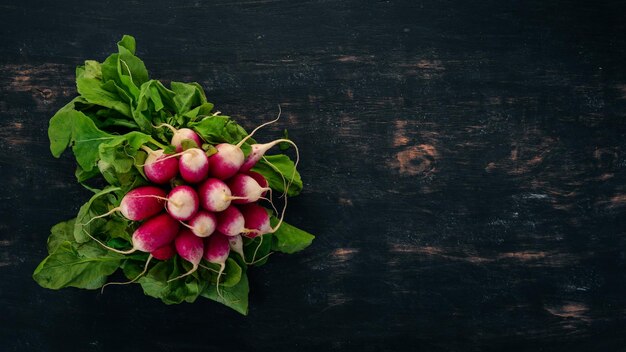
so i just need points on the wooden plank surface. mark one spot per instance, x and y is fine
(464, 168)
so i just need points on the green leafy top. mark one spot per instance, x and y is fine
(115, 114)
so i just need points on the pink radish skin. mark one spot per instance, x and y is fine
(182, 134)
(164, 253)
(259, 179)
(216, 251)
(193, 165)
(214, 195)
(256, 218)
(155, 233)
(216, 248)
(182, 203)
(191, 248)
(229, 158)
(203, 224)
(230, 222)
(138, 204)
(245, 186)
(159, 168)
(226, 162)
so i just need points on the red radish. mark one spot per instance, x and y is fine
(229, 158)
(245, 186)
(259, 179)
(138, 204)
(182, 202)
(260, 215)
(182, 134)
(216, 250)
(258, 150)
(193, 165)
(164, 253)
(160, 168)
(231, 222)
(153, 234)
(227, 161)
(256, 218)
(203, 224)
(190, 247)
(215, 195)
(257, 223)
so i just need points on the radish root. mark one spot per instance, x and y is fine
(217, 284)
(158, 197)
(132, 250)
(166, 125)
(145, 269)
(259, 127)
(169, 156)
(260, 259)
(207, 268)
(101, 216)
(257, 249)
(193, 270)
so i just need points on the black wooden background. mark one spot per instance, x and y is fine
(464, 166)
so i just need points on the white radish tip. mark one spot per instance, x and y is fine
(183, 202)
(214, 195)
(181, 135)
(202, 224)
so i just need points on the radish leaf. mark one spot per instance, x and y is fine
(290, 239)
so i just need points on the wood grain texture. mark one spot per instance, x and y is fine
(464, 168)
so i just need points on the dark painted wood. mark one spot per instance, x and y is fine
(464, 165)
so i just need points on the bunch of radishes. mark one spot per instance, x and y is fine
(186, 197)
(200, 204)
